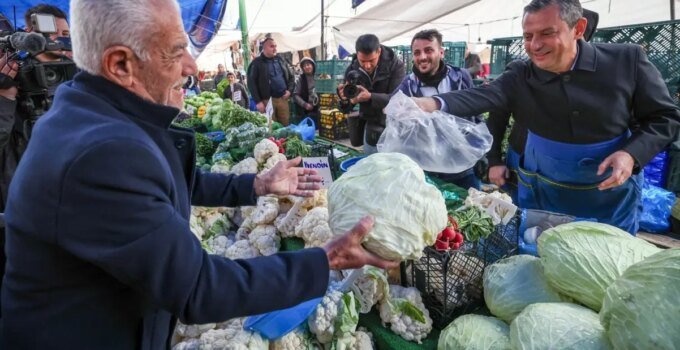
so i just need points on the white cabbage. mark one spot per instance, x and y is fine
(557, 326)
(408, 212)
(641, 309)
(475, 332)
(513, 283)
(581, 259)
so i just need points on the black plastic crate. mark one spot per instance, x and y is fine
(451, 281)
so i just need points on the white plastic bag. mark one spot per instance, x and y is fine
(437, 141)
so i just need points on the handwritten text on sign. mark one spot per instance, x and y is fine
(322, 167)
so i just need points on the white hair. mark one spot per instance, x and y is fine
(99, 24)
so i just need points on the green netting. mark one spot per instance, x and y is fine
(454, 54)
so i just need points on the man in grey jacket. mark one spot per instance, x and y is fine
(305, 91)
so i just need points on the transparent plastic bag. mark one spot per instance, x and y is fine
(437, 141)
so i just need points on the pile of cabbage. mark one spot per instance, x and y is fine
(593, 287)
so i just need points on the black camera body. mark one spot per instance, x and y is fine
(353, 80)
(36, 81)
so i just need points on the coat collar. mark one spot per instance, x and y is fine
(586, 60)
(126, 101)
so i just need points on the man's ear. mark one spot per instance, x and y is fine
(580, 27)
(118, 65)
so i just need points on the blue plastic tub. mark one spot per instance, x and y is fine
(349, 162)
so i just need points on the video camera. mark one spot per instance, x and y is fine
(353, 79)
(36, 80)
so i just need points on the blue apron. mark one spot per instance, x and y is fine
(562, 178)
(512, 163)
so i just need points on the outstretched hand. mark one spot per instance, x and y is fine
(346, 251)
(286, 178)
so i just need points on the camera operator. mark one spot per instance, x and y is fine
(15, 122)
(375, 72)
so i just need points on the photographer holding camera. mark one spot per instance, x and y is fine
(26, 86)
(375, 72)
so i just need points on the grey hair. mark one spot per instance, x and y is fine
(99, 24)
(570, 10)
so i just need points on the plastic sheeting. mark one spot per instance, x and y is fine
(201, 17)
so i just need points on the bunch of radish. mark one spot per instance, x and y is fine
(450, 238)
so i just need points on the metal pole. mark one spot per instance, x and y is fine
(672, 10)
(323, 29)
(244, 33)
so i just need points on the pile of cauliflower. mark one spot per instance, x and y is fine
(251, 231)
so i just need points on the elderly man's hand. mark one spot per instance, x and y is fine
(285, 178)
(427, 104)
(346, 251)
(622, 164)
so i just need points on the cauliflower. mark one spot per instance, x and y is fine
(189, 344)
(264, 150)
(314, 229)
(246, 166)
(241, 250)
(405, 312)
(370, 288)
(299, 339)
(226, 339)
(220, 227)
(194, 330)
(264, 238)
(286, 223)
(273, 160)
(218, 245)
(319, 199)
(195, 227)
(359, 340)
(266, 211)
(335, 315)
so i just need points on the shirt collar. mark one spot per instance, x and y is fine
(125, 100)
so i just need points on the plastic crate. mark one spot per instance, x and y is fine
(451, 282)
(332, 67)
(326, 86)
(333, 125)
(328, 101)
(454, 53)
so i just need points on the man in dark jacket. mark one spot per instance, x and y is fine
(379, 72)
(432, 76)
(269, 76)
(305, 92)
(578, 101)
(100, 254)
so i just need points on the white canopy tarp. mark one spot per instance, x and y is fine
(296, 24)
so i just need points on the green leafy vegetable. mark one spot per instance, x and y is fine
(204, 146)
(411, 310)
(473, 223)
(296, 147)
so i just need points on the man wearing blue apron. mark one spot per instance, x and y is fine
(577, 100)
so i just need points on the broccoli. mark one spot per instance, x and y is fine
(204, 146)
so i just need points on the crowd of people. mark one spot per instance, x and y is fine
(97, 238)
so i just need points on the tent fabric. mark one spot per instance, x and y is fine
(201, 18)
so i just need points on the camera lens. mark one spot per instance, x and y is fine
(350, 91)
(52, 76)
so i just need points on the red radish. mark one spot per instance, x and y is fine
(457, 245)
(441, 245)
(448, 233)
(458, 238)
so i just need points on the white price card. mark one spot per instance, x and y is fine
(322, 167)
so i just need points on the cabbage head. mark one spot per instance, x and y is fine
(641, 309)
(557, 326)
(408, 212)
(581, 259)
(475, 332)
(513, 283)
